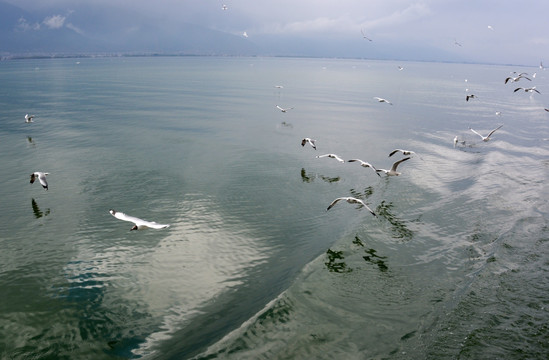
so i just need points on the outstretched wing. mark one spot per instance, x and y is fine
(476, 133)
(395, 165)
(493, 131)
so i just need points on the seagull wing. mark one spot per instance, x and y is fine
(517, 89)
(42, 179)
(137, 221)
(394, 152)
(476, 133)
(493, 131)
(395, 165)
(335, 202)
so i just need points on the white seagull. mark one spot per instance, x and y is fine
(487, 137)
(517, 78)
(333, 156)
(383, 100)
(41, 176)
(351, 200)
(224, 7)
(404, 152)
(393, 170)
(283, 109)
(28, 118)
(364, 36)
(364, 164)
(310, 141)
(530, 90)
(139, 224)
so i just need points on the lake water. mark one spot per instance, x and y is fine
(253, 266)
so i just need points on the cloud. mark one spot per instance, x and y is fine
(54, 22)
(24, 25)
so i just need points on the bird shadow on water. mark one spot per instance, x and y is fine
(399, 229)
(336, 259)
(36, 210)
(309, 178)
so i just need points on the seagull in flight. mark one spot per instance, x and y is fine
(283, 109)
(224, 7)
(393, 170)
(472, 96)
(139, 224)
(487, 137)
(310, 141)
(365, 164)
(383, 100)
(333, 156)
(351, 200)
(364, 36)
(530, 90)
(456, 42)
(245, 34)
(28, 118)
(41, 176)
(517, 78)
(404, 152)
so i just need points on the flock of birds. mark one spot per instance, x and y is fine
(139, 224)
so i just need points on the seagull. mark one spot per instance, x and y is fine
(364, 164)
(456, 141)
(139, 223)
(472, 96)
(487, 137)
(490, 27)
(333, 156)
(456, 43)
(383, 100)
(517, 78)
(310, 141)
(364, 36)
(282, 109)
(351, 200)
(28, 118)
(279, 86)
(393, 171)
(404, 152)
(41, 177)
(541, 65)
(224, 7)
(532, 89)
(546, 109)
(400, 68)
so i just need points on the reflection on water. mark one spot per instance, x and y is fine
(36, 210)
(308, 178)
(335, 262)
(399, 228)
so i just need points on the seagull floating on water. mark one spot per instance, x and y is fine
(139, 224)
(310, 141)
(283, 109)
(383, 100)
(41, 176)
(364, 164)
(393, 171)
(530, 90)
(28, 118)
(351, 200)
(333, 156)
(487, 137)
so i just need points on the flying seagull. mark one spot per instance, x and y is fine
(472, 96)
(41, 176)
(28, 118)
(283, 109)
(139, 224)
(393, 170)
(383, 100)
(364, 164)
(487, 137)
(404, 152)
(532, 89)
(351, 200)
(224, 7)
(456, 42)
(333, 156)
(517, 78)
(310, 141)
(364, 36)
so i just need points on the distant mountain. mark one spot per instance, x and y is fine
(90, 29)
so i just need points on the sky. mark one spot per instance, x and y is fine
(493, 31)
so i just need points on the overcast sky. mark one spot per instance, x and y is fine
(500, 31)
